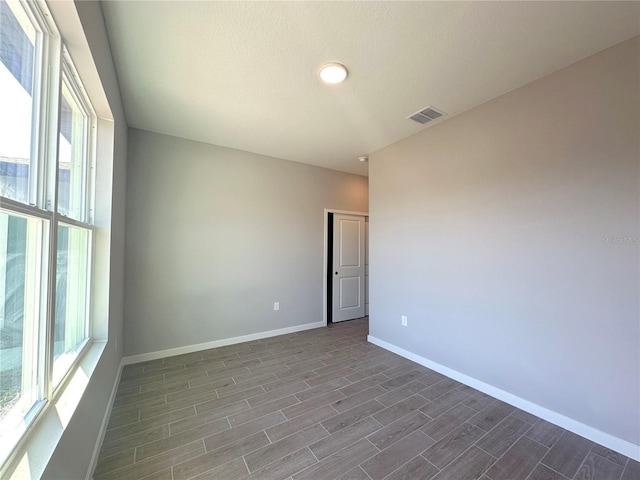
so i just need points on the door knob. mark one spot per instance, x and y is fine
(336, 273)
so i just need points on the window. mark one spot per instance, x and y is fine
(21, 385)
(17, 56)
(47, 129)
(71, 310)
(72, 156)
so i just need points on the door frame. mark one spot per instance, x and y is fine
(325, 259)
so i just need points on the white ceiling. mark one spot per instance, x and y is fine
(244, 74)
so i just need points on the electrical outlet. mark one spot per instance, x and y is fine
(403, 319)
(276, 306)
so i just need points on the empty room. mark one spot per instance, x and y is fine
(319, 240)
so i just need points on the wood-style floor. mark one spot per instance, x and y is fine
(325, 404)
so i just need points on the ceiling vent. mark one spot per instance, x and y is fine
(426, 115)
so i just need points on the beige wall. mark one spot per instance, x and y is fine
(216, 235)
(509, 237)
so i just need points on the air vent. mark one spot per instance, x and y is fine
(426, 115)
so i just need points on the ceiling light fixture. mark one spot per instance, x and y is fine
(363, 159)
(333, 72)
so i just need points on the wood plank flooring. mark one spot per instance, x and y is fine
(325, 404)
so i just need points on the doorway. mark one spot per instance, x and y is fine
(346, 280)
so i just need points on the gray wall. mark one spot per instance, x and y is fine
(216, 235)
(72, 457)
(509, 237)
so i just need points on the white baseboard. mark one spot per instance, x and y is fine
(144, 357)
(614, 443)
(103, 425)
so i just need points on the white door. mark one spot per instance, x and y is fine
(348, 267)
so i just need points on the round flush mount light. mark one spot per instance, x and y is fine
(333, 72)
(363, 159)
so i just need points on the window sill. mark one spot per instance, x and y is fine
(31, 458)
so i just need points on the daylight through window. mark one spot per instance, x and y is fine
(46, 207)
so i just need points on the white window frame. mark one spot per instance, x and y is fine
(69, 76)
(51, 59)
(71, 79)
